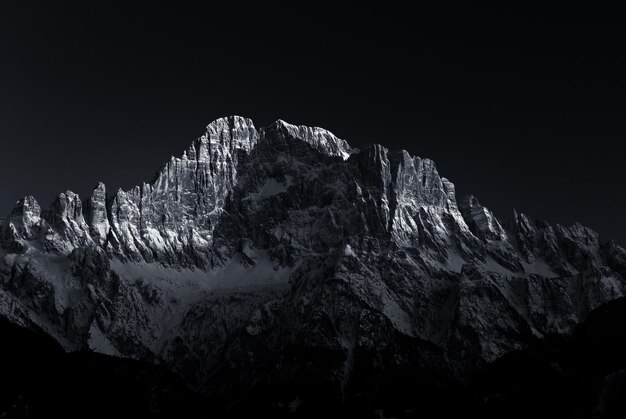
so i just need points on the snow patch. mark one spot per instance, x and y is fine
(347, 251)
(185, 283)
(270, 188)
(98, 342)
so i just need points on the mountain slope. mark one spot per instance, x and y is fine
(262, 256)
(40, 380)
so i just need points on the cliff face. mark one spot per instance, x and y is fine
(256, 241)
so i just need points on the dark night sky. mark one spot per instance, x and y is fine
(522, 106)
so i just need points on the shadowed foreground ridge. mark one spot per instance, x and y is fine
(280, 267)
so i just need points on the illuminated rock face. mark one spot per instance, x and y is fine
(260, 239)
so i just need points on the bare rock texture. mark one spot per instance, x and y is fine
(256, 241)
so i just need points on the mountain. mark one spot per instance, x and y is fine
(39, 379)
(281, 266)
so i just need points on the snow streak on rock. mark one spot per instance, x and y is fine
(286, 235)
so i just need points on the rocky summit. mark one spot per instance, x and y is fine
(282, 258)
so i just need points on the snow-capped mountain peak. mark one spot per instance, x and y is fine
(257, 240)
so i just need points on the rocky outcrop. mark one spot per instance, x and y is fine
(481, 221)
(321, 139)
(97, 215)
(255, 241)
(24, 220)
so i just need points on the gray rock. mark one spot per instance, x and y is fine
(257, 240)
